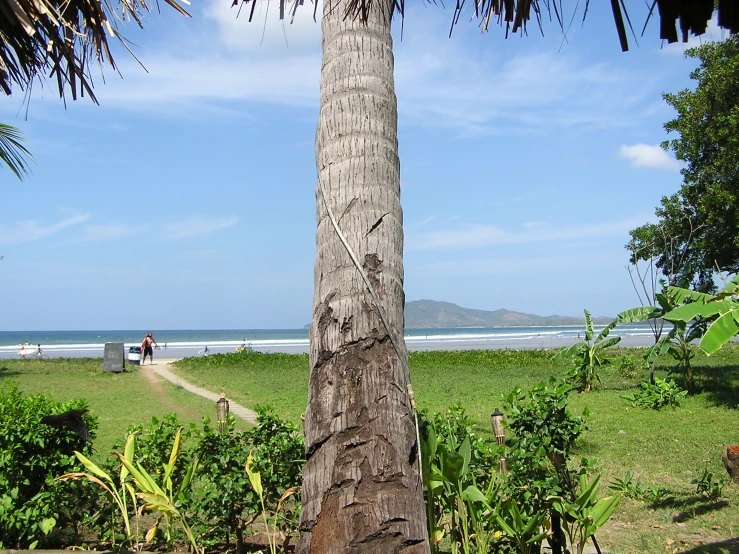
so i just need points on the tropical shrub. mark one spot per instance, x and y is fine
(226, 498)
(32, 454)
(627, 367)
(456, 461)
(658, 395)
(540, 418)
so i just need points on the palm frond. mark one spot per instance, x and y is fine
(691, 16)
(62, 39)
(12, 152)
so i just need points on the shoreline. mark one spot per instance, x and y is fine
(178, 351)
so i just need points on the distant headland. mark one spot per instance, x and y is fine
(430, 314)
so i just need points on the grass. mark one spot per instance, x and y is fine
(667, 448)
(118, 400)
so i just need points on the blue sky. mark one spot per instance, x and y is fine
(186, 199)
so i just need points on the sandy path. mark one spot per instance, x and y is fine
(163, 370)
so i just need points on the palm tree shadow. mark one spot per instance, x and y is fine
(720, 385)
(729, 546)
(5, 372)
(689, 507)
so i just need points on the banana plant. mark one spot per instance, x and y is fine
(120, 492)
(679, 341)
(724, 306)
(582, 517)
(587, 355)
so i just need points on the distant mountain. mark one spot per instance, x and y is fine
(429, 314)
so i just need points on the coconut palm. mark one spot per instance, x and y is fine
(361, 485)
(361, 488)
(12, 152)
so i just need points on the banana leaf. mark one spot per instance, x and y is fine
(721, 331)
(637, 315)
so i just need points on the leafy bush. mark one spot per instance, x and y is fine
(31, 456)
(540, 418)
(628, 367)
(658, 395)
(226, 499)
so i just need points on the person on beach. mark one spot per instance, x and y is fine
(147, 349)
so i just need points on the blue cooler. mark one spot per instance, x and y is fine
(134, 355)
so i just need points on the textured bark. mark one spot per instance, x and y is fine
(361, 486)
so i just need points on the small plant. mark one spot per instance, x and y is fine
(523, 530)
(587, 356)
(708, 485)
(119, 492)
(271, 531)
(582, 517)
(163, 499)
(628, 367)
(658, 395)
(635, 490)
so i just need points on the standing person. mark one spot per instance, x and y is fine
(147, 349)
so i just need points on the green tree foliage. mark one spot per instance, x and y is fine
(698, 228)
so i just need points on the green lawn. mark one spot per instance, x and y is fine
(118, 400)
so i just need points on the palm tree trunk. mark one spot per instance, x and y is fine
(361, 485)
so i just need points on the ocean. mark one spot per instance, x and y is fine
(184, 343)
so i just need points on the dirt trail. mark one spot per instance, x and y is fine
(163, 370)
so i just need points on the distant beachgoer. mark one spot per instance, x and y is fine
(39, 352)
(147, 349)
(165, 345)
(204, 351)
(22, 352)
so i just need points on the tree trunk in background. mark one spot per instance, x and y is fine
(361, 485)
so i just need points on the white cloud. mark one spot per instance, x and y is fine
(197, 226)
(499, 266)
(33, 230)
(109, 231)
(478, 236)
(266, 33)
(651, 156)
(489, 85)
